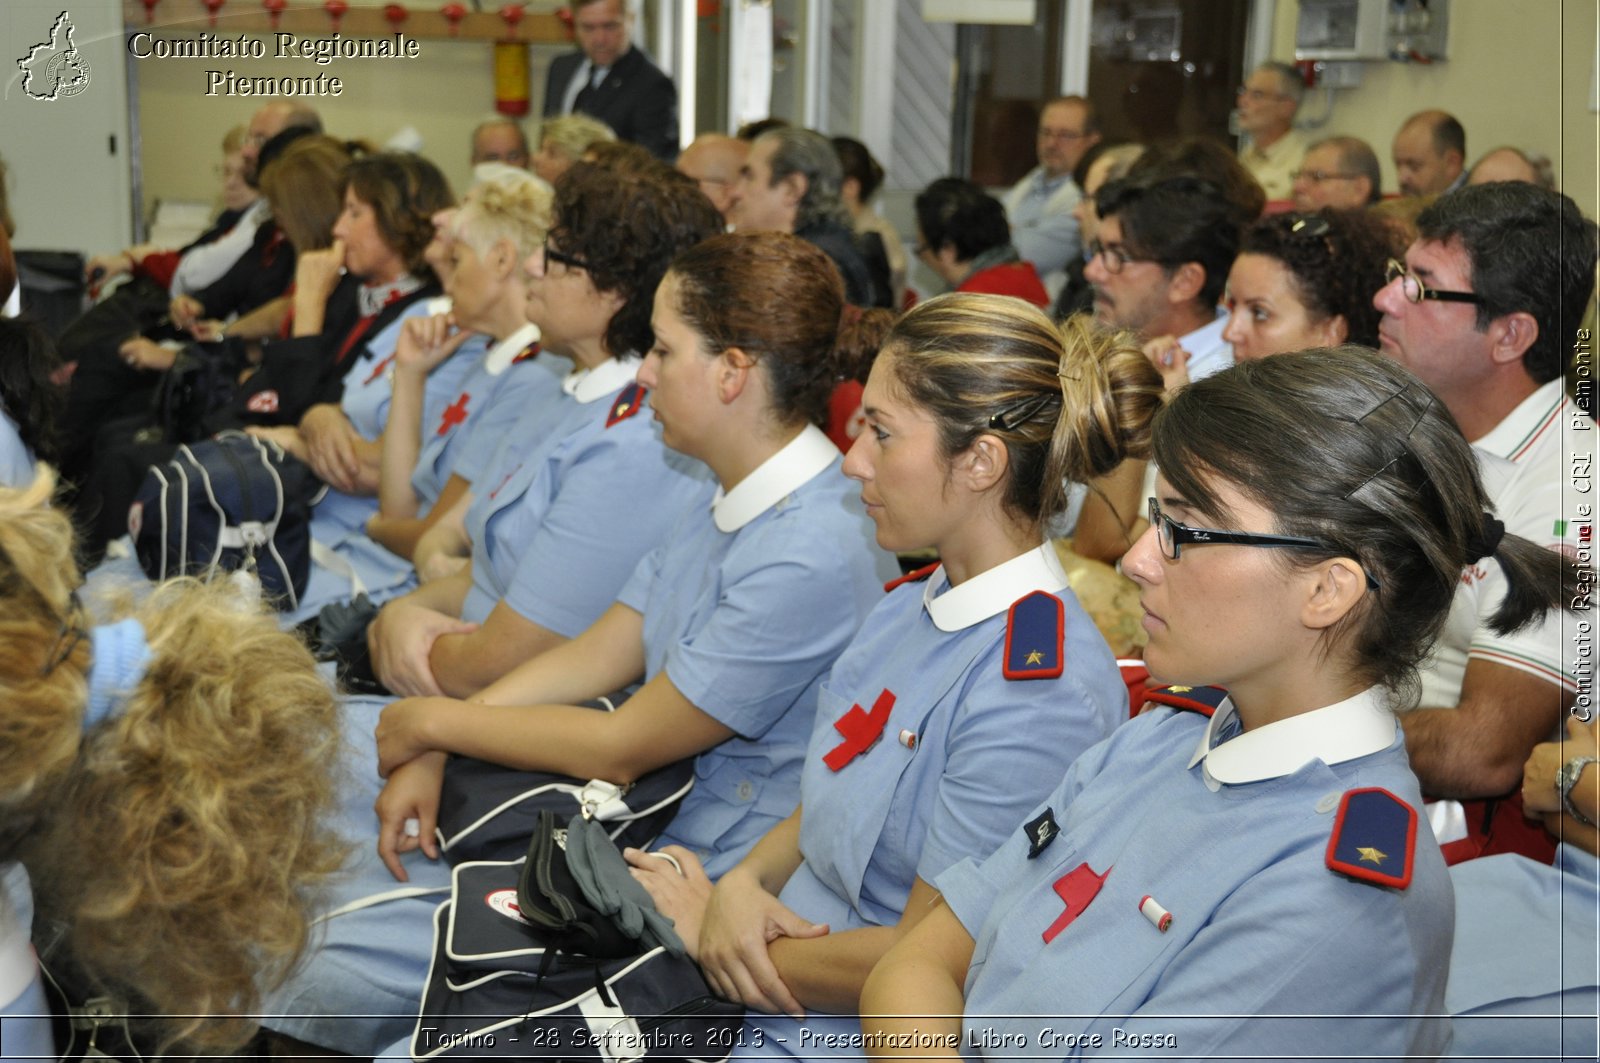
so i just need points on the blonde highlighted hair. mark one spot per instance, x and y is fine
(515, 210)
(180, 843)
(1069, 402)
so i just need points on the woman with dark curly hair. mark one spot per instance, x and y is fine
(1300, 281)
(161, 780)
(1307, 280)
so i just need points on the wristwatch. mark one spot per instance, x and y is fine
(1566, 778)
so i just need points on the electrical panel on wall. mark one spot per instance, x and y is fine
(1404, 31)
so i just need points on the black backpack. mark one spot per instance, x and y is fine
(233, 502)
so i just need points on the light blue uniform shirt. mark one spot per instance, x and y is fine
(511, 389)
(964, 755)
(368, 389)
(447, 414)
(1524, 974)
(16, 460)
(1230, 837)
(556, 537)
(25, 1027)
(746, 612)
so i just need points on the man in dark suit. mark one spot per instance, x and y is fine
(613, 81)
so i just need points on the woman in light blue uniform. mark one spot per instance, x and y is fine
(1253, 878)
(156, 761)
(1525, 974)
(553, 530)
(965, 690)
(442, 369)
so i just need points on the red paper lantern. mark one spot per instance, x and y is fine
(336, 10)
(212, 6)
(274, 10)
(453, 13)
(512, 13)
(396, 14)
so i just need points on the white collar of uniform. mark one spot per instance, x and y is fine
(1506, 439)
(993, 592)
(1333, 734)
(587, 385)
(498, 360)
(799, 462)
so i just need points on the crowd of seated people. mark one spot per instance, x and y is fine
(613, 424)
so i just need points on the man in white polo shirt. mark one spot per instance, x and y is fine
(1486, 311)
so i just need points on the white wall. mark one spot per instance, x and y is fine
(1518, 73)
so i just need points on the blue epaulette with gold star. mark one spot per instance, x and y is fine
(1203, 700)
(628, 403)
(1036, 632)
(916, 576)
(1374, 838)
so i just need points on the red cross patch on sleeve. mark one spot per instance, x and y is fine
(861, 730)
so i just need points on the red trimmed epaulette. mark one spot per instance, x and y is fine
(1036, 634)
(912, 577)
(1374, 838)
(1203, 700)
(628, 403)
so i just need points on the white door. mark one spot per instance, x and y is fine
(64, 124)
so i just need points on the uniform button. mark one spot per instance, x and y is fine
(1328, 803)
(746, 791)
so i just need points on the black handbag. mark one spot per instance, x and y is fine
(498, 987)
(488, 812)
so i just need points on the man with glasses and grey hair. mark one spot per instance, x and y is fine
(1339, 172)
(1266, 105)
(1040, 207)
(1486, 310)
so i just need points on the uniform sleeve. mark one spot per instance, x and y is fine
(1334, 959)
(500, 419)
(16, 461)
(615, 503)
(1012, 744)
(636, 592)
(971, 883)
(779, 624)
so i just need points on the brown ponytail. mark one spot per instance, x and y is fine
(1068, 403)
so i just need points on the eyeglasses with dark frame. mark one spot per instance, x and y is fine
(1114, 256)
(1319, 176)
(1173, 536)
(1415, 291)
(570, 261)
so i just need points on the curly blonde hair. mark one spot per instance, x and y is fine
(180, 843)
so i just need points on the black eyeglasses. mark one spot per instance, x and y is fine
(1114, 256)
(1319, 176)
(570, 261)
(1174, 536)
(1416, 291)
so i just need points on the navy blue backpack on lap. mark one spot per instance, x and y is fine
(229, 503)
